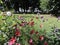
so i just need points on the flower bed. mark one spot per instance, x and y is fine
(29, 30)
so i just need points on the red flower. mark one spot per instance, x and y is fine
(18, 44)
(36, 17)
(31, 19)
(17, 33)
(45, 43)
(22, 24)
(12, 41)
(32, 31)
(41, 38)
(36, 32)
(17, 28)
(31, 23)
(41, 25)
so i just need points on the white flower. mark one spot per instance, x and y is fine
(8, 13)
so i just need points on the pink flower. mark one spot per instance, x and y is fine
(30, 41)
(45, 43)
(41, 38)
(20, 18)
(18, 44)
(12, 41)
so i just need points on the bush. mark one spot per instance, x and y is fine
(19, 30)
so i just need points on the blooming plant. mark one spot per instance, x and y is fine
(19, 30)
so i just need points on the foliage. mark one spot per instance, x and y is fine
(27, 30)
(1, 1)
(54, 6)
(44, 5)
(47, 6)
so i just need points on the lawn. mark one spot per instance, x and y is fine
(44, 24)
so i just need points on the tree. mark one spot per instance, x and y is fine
(44, 5)
(54, 6)
(6, 4)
